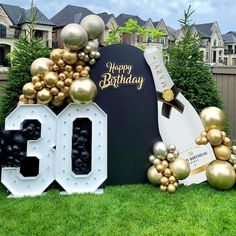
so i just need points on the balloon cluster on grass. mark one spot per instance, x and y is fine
(221, 172)
(167, 167)
(65, 76)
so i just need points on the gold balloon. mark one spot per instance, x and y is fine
(212, 118)
(198, 141)
(152, 159)
(160, 150)
(160, 168)
(176, 184)
(92, 61)
(227, 141)
(203, 133)
(60, 84)
(222, 152)
(172, 179)
(31, 101)
(204, 140)
(220, 175)
(83, 90)
(156, 162)
(55, 67)
(74, 36)
(153, 176)
(232, 159)
(84, 73)
(87, 68)
(94, 26)
(171, 188)
(38, 86)
(23, 98)
(171, 148)
(79, 68)
(68, 81)
(62, 76)
(57, 103)
(214, 136)
(68, 68)
(44, 96)
(180, 168)
(167, 172)
(56, 54)
(61, 95)
(35, 79)
(164, 163)
(66, 90)
(50, 79)
(61, 63)
(164, 181)
(223, 134)
(163, 188)
(93, 44)
(76, 75)
(40, 66)
(170, 157)
(234, 149)
(70, 57)
(28, 90)
(81, 63)
(54, 91)
(97, 56)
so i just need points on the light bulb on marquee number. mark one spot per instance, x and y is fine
(178, 121)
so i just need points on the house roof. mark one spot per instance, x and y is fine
(105, 16)
(70, 14)
(13, 12)
(122, 18)
(172, 33)
(205, 30)
(229, 37)
(156, 23)
(41, 19)
(19, 15)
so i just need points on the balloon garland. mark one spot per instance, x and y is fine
(64, 78)
(167, 167)
(221, 172)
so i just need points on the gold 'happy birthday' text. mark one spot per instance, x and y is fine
(120, 75)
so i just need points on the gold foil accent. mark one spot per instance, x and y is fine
(199, 170)
(168, 95)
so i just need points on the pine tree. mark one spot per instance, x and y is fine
(26, 50)
(188, 70)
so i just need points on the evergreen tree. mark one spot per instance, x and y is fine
(26, 50)
(188, 70)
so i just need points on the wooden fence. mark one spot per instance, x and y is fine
(225, 78)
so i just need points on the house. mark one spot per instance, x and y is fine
(14, 22)
(230, 48)
(211, 45)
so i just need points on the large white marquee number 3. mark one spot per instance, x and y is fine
(55, 164)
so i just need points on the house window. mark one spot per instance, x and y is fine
(2, 31)
(149, 39)
(163, 41)
(215, 42)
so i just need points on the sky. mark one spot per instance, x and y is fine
(206, 11)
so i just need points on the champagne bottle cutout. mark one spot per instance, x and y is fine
(178, 122)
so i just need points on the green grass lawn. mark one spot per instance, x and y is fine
(126, 210)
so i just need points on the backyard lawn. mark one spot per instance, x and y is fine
(126, 210)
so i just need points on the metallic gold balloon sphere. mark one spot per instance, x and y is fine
(54, 91)
(28, 90)
(94, 26)
(172, 179)
(44, 96)
(214, 136)
(163, 188)
(232, 159)
(50, 79)
(56, 54)
(68, 81)
(70, 57)
(160, 168)
(176, 153)
(176, 184)
(180, 168)
(98, 55)
(203, 133)
(38, 86)
(79, 68)
(164, 181)
(60, 84)
(40, 66)
(156, 162)
(62, 76)
(57, 103)
(35, 79)
(84, 73)
(171, 148)
(227, 141)
(223, 134)
(93, 44)
(83, 90)
(170, 157)
(212, 118)
(23, 98)
(167, 172)
(198, 140)
(222, 152)
(151, 159)
(171, 188)
(74, 36)
(220, 175)
(153, 176)
(204, 140)
(160, 150)
(165, 164)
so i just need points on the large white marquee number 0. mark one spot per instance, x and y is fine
(55, 164)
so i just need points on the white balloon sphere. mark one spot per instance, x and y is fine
(94, 25)
(74, 36)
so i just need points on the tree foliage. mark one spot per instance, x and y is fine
(188, 70)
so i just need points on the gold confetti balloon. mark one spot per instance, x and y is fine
(70, 57)
(44, 96)
(83, 90)
(50, 79)
(214, 136)
(40, 66)
(153, 176)
(74, 36)
(56, 54)
(94, 26)
(222, 152)
(213, 118)
(28, 90)
(220, 175)
(180, 168)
